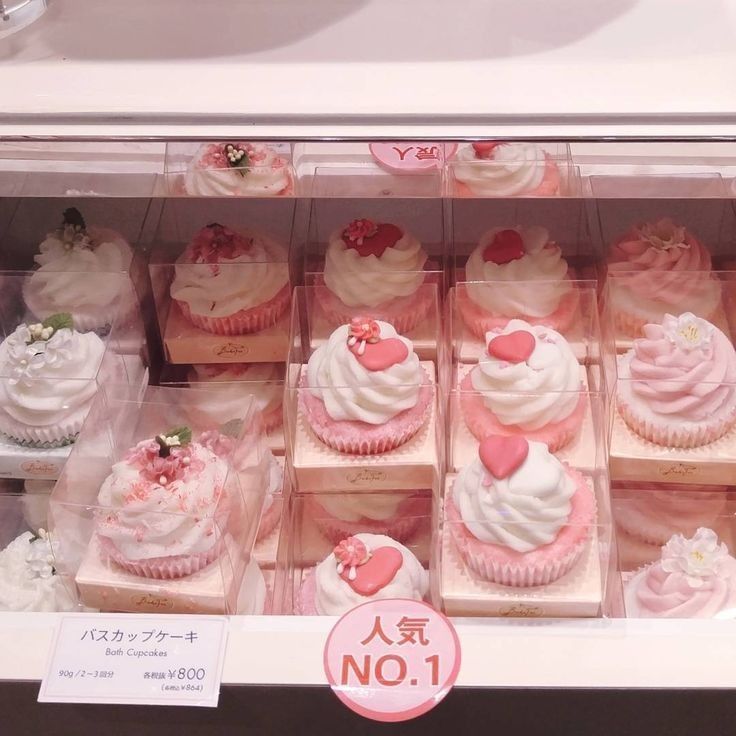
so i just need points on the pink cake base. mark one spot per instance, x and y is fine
(401, 527)
(404, 313)
(549, 187)
(482, 422)
(269, 520)
(305, 603)
(243, 322)
(360, 438)
(479, 321)
(541, 566)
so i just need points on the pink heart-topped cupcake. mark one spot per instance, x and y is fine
(517, 515)
(527, 384)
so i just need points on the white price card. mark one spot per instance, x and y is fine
(146, 660)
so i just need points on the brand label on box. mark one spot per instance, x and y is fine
(392, 660)
(146, 660)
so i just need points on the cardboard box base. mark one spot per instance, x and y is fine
(28, 463)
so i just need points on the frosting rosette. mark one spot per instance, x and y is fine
(695, 578)
(677, 386)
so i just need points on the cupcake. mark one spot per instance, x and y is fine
(231, 283)
(526, 384)
(394, 514)
(81, 270)
(48, 378)
(364, 391)
(498, 169)
(677, 386)
(362, 568)
(376, 270)
(239, 170)
(517, 515)
(498, 272)
(271, 512)
(163, 508)
(232, 383)
(695, 578)
(657, 268)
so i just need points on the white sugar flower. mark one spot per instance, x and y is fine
(697, 559)
(687, 331)
(664, 234)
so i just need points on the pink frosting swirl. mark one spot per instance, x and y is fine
(658, 260)
(684, 368)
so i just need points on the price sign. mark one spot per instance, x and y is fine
(392, 660)
(148, 660)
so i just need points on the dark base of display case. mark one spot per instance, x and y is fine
(315, 710)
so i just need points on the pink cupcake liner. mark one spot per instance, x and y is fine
(163, 568)
(243, 322)
(633, 326)
(541, 566)
(401, 527)
(668, 433)
(360, 438)
(305, 603)
(549, 186)
(404, 313)
(479, 321)
(482, 422)
(272, 419)
(269, 520)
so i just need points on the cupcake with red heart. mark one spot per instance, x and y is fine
(231, 283)
(517, 515)
(364, 391)
(374, 269)
(527, 384)
(362, 568)
(500, 169)
(517, 272)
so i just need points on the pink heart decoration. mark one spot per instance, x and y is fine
(386, 236)
(501, 456)
(376, 573)
(506, 246)
(378, 356)
(516, 347)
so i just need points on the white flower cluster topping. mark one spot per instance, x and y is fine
(30, 353)
(687, 331)
(664, 234)
(38, 332)
(696, 559)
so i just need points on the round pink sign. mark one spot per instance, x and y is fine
(407, 157)
(392, 660)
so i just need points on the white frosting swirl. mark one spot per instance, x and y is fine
(268, 174)
(222, 289)
(544, 388)
(358, 506)
(367, 281)
(145, 519)
(47, 382)
(514, 168)
(509, 295)
(334, 595)
(351, 392)
(523, 511)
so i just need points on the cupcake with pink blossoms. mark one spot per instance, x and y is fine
(695, 578)
(364, 391)
(656, 268)
(677, 386)
(231, 283)
(163, 508)
(238, 170)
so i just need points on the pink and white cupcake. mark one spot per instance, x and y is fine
(231, 283)
(272, 501)
(82, 270)
(395, 514)
(526, 384)
(360, 569)
(517, 272)
(48, 379)
(658, 268)
(238, 170)
(364, 391)
(677, 386)
(517, 515)
(499, 169)
(695, 578)
(232, 383)
(163, 508)
(374, 270)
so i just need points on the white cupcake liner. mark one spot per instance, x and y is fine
(44, 438)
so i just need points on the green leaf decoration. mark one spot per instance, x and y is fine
(243, 165)
(72, 216)
(233, 428)
(183, 433)
(59, 321)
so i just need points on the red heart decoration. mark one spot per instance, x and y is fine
(375, 574)
(503, 455)
(380, 355)
(386, 236)
(506, 246)
(516, 347)
(484, 149)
